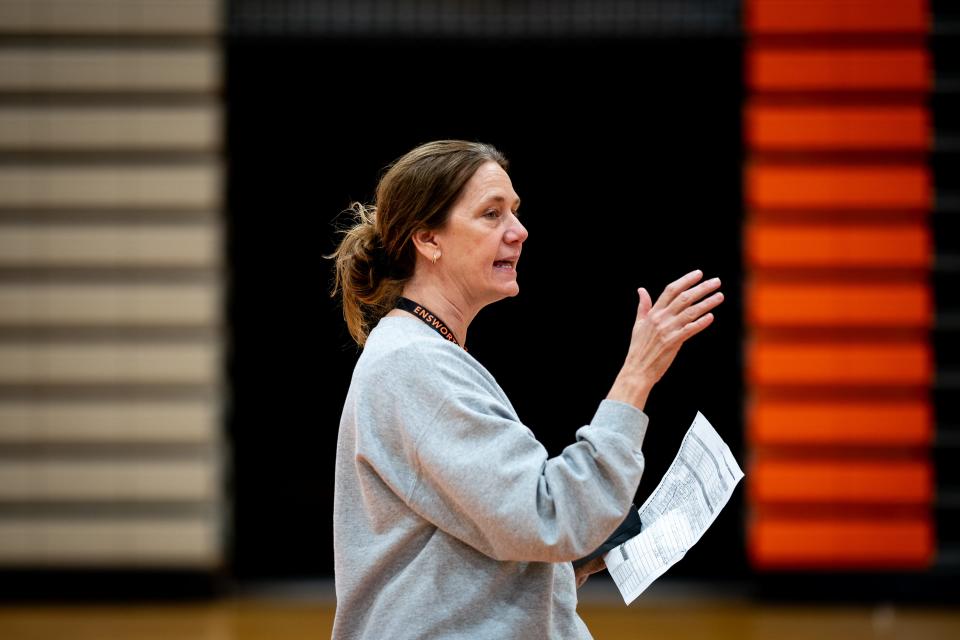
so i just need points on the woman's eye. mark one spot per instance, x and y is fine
(492, 212)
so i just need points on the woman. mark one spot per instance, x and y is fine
(450, 521)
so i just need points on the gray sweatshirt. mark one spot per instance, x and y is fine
(449, 519)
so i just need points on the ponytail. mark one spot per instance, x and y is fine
(363, 274)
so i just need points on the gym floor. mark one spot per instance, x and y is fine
(284, 612)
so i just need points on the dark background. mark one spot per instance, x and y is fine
(627, 155)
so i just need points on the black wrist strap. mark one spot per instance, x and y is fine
(630, 527)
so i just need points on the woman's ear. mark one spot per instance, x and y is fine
(426, 243)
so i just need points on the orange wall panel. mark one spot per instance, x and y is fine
(834, 128)
(828, 305)
(836, 16)
(841, 481)
(837, 248)
(825, 363)
(841, 543)
(839, 187)
(821, 245)
(779, 69)
(873, 423)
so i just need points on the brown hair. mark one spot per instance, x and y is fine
(376, 256)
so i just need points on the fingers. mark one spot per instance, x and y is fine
(676, 288)
(644, 305)
(688, 297)
(688, 312)
(694, 312)
(696, 318)
(681, 312)
(680, 294)
(690, 329)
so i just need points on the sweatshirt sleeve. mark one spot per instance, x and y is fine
(480, 475)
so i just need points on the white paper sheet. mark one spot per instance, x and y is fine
(694, 489)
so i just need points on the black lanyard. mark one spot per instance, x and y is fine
(429, 317)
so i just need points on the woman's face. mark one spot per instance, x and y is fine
(480, 243)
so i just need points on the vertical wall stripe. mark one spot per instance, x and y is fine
(111, 326)
(839, 307)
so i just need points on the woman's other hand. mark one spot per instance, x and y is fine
(681, 312)
(586, 570)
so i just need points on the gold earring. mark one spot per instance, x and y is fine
(436, 256)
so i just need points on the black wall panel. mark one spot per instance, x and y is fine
(626, 154)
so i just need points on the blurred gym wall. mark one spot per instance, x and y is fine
(172, 369)
(851, 304)
(112, 452)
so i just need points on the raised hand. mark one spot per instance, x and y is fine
(681, 312)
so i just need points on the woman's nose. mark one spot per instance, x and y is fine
(517, 232)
